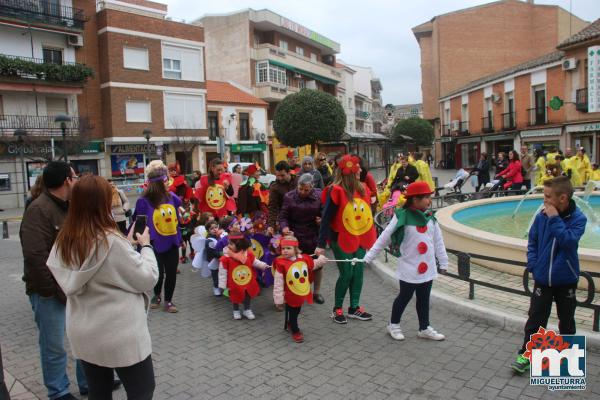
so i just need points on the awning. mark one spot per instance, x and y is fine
(475, 139)
(504, 136)
(312, 75)
(365, 136)
(541, 132)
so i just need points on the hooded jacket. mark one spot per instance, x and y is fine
(552, 247)
(107, 304)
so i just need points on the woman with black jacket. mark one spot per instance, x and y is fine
(482, 170)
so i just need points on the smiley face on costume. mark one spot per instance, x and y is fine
(357, 217)
(215, 196)
(241, 275)
(165, 220)
(257, 249)
(297, 278)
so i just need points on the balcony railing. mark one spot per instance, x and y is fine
(581, 100)
(509, 121)
(45, 12)
(487, 124)
(464, 128)
(362, 114)
(37, 125)
(445, 130)
(538, 116)
(37, 68)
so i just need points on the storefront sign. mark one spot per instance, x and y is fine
(248, 148)
(135, 148)
(127, 164)
(469, 140)
(595, 126)
(445, 139)
(542, 132)
(489, 138)
(93, 148)
(44, 149)
(593, 79)
(301, 30)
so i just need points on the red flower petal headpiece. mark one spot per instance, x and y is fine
(349, 164)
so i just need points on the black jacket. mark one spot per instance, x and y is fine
(400, 180)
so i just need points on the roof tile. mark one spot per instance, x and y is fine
(223, 92)
(592, 31)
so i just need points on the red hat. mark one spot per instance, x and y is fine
(290, 154)
(251, 170)
(418, 189)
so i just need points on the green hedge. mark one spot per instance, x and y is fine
(50, 72)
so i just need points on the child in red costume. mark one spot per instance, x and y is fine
(177, 183)
(237, 273)
(293, 276)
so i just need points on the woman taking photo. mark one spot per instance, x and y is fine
(105, 281)
(161, 209)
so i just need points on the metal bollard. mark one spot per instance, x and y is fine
(4, 230)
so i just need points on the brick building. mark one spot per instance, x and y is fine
(521, 105)
(464, 45)
(115, 68)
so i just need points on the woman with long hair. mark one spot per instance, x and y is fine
(512, 174)
(105, 281)
(367, 178)
(347, 222)
(161, 209)
(214, 190)
(120, 207)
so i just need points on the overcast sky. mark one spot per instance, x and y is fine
(375, 33)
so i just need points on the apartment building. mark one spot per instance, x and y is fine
(269, 54)
(462, 46)
(550, 101)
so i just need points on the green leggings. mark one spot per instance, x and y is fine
(351, 276)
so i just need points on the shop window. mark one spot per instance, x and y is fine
(4, 182)
(244, 121)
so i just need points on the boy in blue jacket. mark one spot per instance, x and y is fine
(553, 261)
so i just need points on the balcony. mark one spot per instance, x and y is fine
(362, 114)
(316, 70)
(581, 100)
(38, 125)
(463, 128)
(509, 121)
(487, 124)
(273, 91)
(445, 130)
(537, 116)
(43, 12)
(17, 68)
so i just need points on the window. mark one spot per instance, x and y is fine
(350, 104)
(184, 111)
(302, 84)
(213, 125)
(267, 73)
(135, 58)
(464, 112)
(183, 63)
(351, 126)
(539, 100)
(283, 44)
(313, 57)
(299, 51)
(56, 106)
(244, 126)
(52, 56)
(138, 111)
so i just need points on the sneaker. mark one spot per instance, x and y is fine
(359, 313)
(431, 333)
(298, 337)
(338, 316)
(318, 298)
(237, 314)
(170, 308)
(395, 331)
(155, 302)
(521, 364)
(248, 314)
(217, 292)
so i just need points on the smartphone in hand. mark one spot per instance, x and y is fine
(140, 225)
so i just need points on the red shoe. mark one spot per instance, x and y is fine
(183, 260)
(298, 337)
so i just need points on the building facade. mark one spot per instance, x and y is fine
(499, 34)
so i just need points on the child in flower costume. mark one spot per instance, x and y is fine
(347, 224)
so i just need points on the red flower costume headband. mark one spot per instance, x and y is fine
(289, 243)
(349, 164)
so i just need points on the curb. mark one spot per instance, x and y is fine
(477, 312)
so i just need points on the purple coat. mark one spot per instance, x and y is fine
(300, 215)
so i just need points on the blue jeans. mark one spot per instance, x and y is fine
(49, 314)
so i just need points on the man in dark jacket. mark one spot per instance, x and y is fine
(405, 175)
(284, 182)
(553, 261)
(40, 225)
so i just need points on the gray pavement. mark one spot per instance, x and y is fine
(202, 353)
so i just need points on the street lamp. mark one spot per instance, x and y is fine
(63, 119)
(20, 134)
(147, 134)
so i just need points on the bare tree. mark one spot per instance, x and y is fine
(188, 139)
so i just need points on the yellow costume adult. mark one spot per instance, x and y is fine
(568, 167)
(540, 171)
(424, 173)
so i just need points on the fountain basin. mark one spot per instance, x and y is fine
(495, 240)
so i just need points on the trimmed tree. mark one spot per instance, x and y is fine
(309, 117)
(417, 128)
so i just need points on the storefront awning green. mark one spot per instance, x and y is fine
(327, 81)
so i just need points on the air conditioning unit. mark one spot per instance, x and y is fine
(455, 125)
(261, 137)
(496, 97)
(569, 64)
(75, 40)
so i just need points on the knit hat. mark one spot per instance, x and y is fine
(308, 159)
(155, 169)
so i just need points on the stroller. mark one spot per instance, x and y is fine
(454, 188)
(492, 188)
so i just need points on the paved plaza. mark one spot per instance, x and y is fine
(202, 353)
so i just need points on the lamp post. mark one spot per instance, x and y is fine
(147, 134)
(63, 119)
(20, 134)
